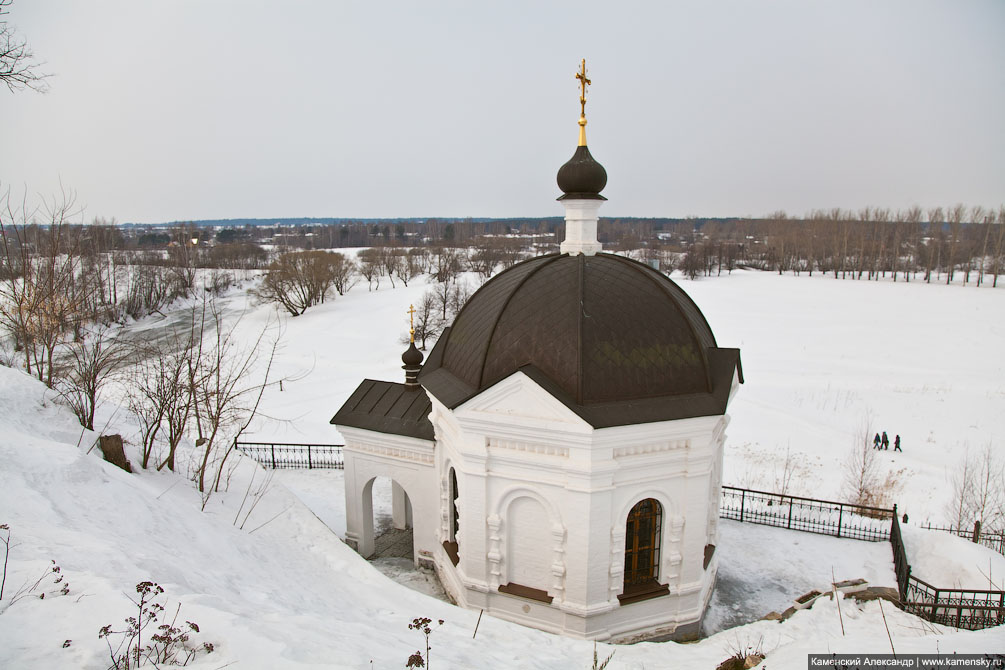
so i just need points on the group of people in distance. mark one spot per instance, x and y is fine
(884, 442)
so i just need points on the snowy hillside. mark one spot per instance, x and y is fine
(284, 592)
(289, 594)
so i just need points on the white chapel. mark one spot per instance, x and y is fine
(559, 454)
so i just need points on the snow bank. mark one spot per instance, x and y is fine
(947, 561)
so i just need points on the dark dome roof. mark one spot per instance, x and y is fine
(598, 330)
(582, 177)
(412, 356)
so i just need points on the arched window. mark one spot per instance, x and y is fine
(642, 552)
(450, 544)
(455, 526)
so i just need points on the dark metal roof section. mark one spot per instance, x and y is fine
(613, 339)
(387, 407)
(582, 177)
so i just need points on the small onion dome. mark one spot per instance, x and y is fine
(412, 356)
(582, 178)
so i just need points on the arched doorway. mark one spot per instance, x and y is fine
(387, 519)
(643, 532)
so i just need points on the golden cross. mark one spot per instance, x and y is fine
(583, 83)
(411, 323)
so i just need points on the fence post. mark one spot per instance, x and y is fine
(935, 607)
(790, 514)
(840, 516)
(273, 448)
(310, 466)
(743, 497)
(977, 531)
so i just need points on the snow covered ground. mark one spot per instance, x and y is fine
(285, 592)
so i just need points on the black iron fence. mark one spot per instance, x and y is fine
(293, 455)
(900, 565)
(825, 517)
(991, 539)
(962, 608)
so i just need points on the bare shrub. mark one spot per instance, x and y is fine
(149, 639)
(300, 279)
(89, 364)
(978, 490)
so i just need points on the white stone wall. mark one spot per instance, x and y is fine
(543, 501)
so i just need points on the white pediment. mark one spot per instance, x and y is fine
(518, 399)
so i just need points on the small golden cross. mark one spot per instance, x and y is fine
(411, 323)
(583, 83)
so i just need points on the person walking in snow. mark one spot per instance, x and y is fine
(886, 441)
(896, 444)
(875, 442)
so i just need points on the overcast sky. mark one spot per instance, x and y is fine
(196, 109)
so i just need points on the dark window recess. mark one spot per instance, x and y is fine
(709, 553)
(645, 591)
(526, 592)
(453, 503)
(451, 549)
(642, 543)
(643, 530)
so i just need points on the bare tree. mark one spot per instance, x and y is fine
(428, 324)
(297, 280)
(912, 219)
(183, 253)
(691, 263)
(445, 264)
(459, 296)
(147, 393)
(783, 473)
(987, 217)
(390, 260)
(935, 217)
(441, 293)
(227, 375)
(955, 215)
(369, 265)
(90, 363)
(343, 273)
(483, 261)
(411, 265)
(18, 68)
(861, 469)
(979, 490)
(999, 246)
(147, 289)
(38, 300)
(177, 400)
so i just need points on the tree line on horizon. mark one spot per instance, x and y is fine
(937, 244)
